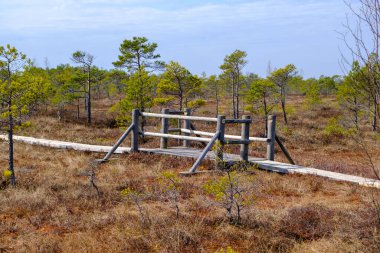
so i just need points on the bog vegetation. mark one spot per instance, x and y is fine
(60, 202)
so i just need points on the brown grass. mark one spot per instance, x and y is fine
(55, 209)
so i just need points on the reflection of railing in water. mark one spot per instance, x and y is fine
(185, 134)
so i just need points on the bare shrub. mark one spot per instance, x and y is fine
(371, 163)
(137, 198)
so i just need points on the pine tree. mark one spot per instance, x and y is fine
(262, 97)
(281, 77)
(178, 83)
(233, 73)
(18, 91)
(138, 91)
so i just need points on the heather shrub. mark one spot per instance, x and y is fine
(308, 222)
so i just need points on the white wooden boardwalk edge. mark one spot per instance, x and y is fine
(195, 153)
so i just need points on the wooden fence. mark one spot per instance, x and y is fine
(208, 138)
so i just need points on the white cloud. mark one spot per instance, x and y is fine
(101, 14)
(197, 33)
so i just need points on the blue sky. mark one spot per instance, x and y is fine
(198, 34)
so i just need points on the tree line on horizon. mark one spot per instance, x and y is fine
(144, 81)
(140, 80)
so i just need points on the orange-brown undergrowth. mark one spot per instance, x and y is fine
(54, 207)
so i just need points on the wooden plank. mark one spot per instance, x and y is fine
(195, 153)
(295, 169)
(66, 145)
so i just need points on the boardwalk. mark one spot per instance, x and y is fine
(195, 153)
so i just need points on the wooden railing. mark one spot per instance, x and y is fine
(208, 138)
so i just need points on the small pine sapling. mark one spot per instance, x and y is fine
(5, 180)
(228, 249)
(171, 186)
(229, 192)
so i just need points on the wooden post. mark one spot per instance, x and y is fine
(271, 136)
(135, 131)
(164, 129)
(219, 151)
(203, 154)
(187, 125)
(284, 150)
(245, 137)
(117, 144)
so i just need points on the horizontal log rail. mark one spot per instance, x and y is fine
(169, 116)
(236, 142)
(227, 136)
(237, 121)
(174, 136)
(259, 139)
(229, 139)
(189, 131)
